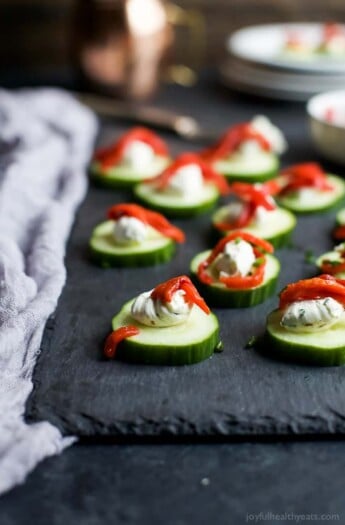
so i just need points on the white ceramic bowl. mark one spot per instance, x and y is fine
(328, 134)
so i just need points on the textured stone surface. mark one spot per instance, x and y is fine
(238, 392)
(183, 485)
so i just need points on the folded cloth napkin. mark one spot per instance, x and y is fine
(46, 139)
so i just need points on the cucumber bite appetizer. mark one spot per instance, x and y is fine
(169, 325)
(134, 236)
(306, 188)
(239, 272)
(255, 211)
(187, 187)
(309, 325)
(138, 155)
(333, 262)
(248, 151)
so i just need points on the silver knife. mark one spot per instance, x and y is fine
(185, 126)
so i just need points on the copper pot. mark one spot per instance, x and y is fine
(125, 47)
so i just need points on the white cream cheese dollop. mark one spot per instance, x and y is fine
(237, 258)
(312, 315)
(151, 312)
(129, 230)
(138, 155)
(187, 182)
(271, 133)
(250, 148)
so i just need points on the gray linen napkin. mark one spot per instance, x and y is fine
(46, 139)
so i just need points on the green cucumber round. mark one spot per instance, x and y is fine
(217, 294)
(156, 249)
(277, 230)
(320, 202)
(123, 176)
(173, 205)
(184, 344)
(340, 217)
(322, 348)
(263, 166)
(329, 256)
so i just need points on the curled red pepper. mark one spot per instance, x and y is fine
(154, 219)
(339, 232)
(324, 285)
(112, 155)
(332, 30)
(306, 175)
(187, 159)
(232, 139)
(115, 338)
(166, 290)
(260, 247)
(252, 197)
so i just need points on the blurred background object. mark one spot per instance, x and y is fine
(45, 40)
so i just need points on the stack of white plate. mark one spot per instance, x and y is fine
(256, 63)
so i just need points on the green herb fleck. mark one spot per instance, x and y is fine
(301, 313)
(219, 347)
(237, 240)
(251, 342)
(259, 262)
(309, 257)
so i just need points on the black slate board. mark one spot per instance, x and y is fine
(238, 392)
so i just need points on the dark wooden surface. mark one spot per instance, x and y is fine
(238, 392)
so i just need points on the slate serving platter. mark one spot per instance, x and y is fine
(239, 392)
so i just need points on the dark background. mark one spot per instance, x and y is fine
(35, 35)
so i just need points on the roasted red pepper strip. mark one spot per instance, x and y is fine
(324, 285)
(260, 246)
(154, 219)
(115, 338)
(306, 175)
(339, 232)
(188, 159)
(332, 267)
(166, 290)
(238, 282)
(112, 155)
(332, 30)
(232, 140)
(252, 197)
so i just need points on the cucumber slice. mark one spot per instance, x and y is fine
(122, 176)
(156, 249)
(261, 167)
(173, 205)
(184, 344)
(277, 230)
(329, 256)
(340, 217)
(326, 348)
(320, 201)
(217, 294)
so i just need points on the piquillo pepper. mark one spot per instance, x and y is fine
(306, 175)
(232, 139)
(154, 219)
(188, 159)
(324, 285)
(112, 155)
(115, 338)
(166, 290)
(252, 197)
(260, 247)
